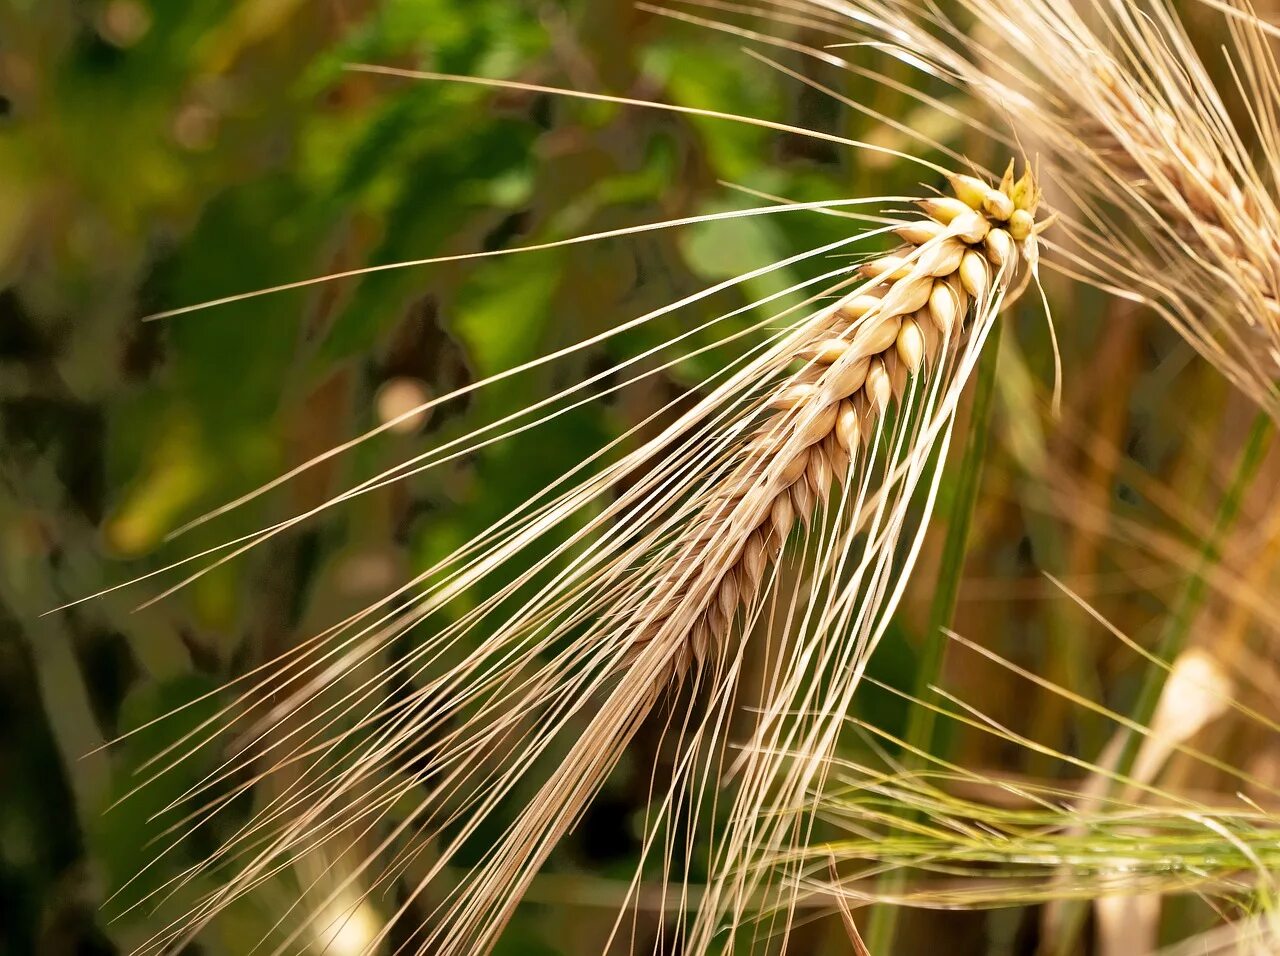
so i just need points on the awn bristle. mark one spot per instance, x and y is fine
(857, 359)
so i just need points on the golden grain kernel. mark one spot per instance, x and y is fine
(1000, 248)
(819, 473)
(973, 274)
(795, 468)
(1025, 193)
(969, 190)
(971, 227)
(847, 426)
(802, 501)
(754, 557)
(910, 345)
(997, 205)
(876, 335)
(1020, 224)
(792, 395)
(944, 309)
(727, 598)
(827, 351)
(907, 295)
(943, 209)
(845, 379)
(857, 307)
(818, 426)
(808, 373)
(918, 233)
(879, 389)
(941, 258)
(886, 267)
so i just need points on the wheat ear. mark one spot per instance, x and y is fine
(1192, 187)
(857, 358)
(660, 581)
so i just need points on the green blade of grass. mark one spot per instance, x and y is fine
(1173, 634)
(921, 724)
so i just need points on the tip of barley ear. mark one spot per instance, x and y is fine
(1006, 181)
(1026, 193)
(943, 209)
(969, 190)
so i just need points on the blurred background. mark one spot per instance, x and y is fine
(155, 155)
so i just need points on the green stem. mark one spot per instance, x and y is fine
(1173, 636)
(1178, 625)
(921, 724)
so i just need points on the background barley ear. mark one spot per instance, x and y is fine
(1165, 153)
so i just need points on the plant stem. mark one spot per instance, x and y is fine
(1173, 636)
(921, 724)
(1176, 627)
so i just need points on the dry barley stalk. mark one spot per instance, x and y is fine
(829, 427)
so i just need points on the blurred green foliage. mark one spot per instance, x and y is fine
(155, 155)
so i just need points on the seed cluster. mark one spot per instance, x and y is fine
(1228, 223)
(857, 358)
